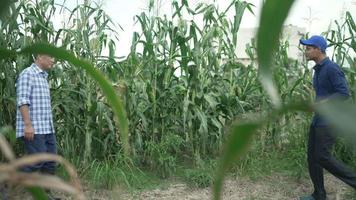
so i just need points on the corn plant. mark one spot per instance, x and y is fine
(185, 96)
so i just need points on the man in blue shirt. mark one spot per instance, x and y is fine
(34, 121)
(329, 83)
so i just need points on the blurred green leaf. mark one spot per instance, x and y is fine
(4, 53)
(341, 116)
(273, 14)
(37, 193)
(241, 134)
(4, 5)
(8, 132)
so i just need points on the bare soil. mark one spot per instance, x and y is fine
(276, 187)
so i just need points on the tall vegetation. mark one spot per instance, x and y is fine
(178, 83)
(181, 85)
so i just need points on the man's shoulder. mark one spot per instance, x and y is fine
(28, 70)
(333, 68)
(332, 65)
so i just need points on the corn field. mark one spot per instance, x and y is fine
(184, 95)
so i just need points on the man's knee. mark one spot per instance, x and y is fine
(322, 158)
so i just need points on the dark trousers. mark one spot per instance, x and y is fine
(320, 144)
(41, 143)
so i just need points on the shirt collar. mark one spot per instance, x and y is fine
(319, 65)
(38, 70)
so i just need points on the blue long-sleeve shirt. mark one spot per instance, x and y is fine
(329, 83)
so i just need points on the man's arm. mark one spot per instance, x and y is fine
(339, 83)
(28, 131)
(23, 92)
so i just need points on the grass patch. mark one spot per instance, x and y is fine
(257, 165)
(110, 174)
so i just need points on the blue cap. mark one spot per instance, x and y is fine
(316, 41)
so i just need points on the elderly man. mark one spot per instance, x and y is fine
(34, 123)
(329, 83)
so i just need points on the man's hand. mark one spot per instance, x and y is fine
(29, 132)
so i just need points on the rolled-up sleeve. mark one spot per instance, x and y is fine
(23, 89)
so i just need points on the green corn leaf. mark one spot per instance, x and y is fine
(237, 143)
(241, 134)
(273, 14)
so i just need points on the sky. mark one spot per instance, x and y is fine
(313, 15)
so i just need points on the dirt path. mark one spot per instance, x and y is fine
(275, 187)
(270, 188)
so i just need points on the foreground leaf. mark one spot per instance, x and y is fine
(37, 193)
(240, 136)
(273, 14)
(4, 5)
(237, 144)
(341, 116)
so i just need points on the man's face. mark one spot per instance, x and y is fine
(45, 61)
(312, 53)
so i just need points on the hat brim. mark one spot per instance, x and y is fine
(306, 42)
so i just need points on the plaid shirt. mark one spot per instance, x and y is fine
(32, 89)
